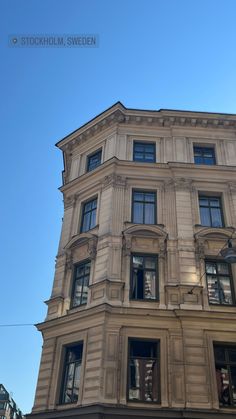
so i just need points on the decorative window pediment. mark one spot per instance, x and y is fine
(138, 236)
(85, 240)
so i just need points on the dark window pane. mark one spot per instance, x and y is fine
(232, 355)
(219, 353)
(86, 222)
(204, 201)
(143, 349)
(198, 160)
(88, 206)
(209, 161)
(144, 152)
(204, 155)
(81, 283)
(216, 217)
(144, 204)
(94, 160)
(210, 211)
(139, 196)
(137, 213)
(149, 197)
(138, 284)
(93, 219)
(71, 379)
(149, 214)
(205, 216)
(89, 215)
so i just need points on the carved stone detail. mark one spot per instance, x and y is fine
(92, 247)
(200, 250)
(178, 184)
(70, 201)
(232, 186)
(114, 180)
(183, 184)
(162, 247)
(69, 260)
(127, 245)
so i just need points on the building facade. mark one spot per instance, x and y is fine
(142, 317)
(8, 407)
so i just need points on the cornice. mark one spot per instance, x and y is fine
(118, 114)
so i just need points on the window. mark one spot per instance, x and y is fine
(89, 215)
(211, 211)
(94, 160)
(204, 155)
(144, 371)
(144, 152)
(225, 365)
(144, 207)
(143, 284)
(219, 283)
(72, 371)
(81, 283)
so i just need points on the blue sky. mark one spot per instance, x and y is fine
(152, 54)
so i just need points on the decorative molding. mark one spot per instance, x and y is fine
(114, 180)
(178, 184)
(70, 201)
(200, 249)
(214, 232)
(80, 239)
(127, 245)
(92, 247)
(69, 260)
(159, 119)
(145, 232)
(232, 186)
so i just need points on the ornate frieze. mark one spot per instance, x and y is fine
(115, 181)
(178, 184)
(155, 119)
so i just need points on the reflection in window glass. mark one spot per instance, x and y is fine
(225, 365)
(219, 283)
(144, 369)
(71, 380)
(81, 283)
(143, 284)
